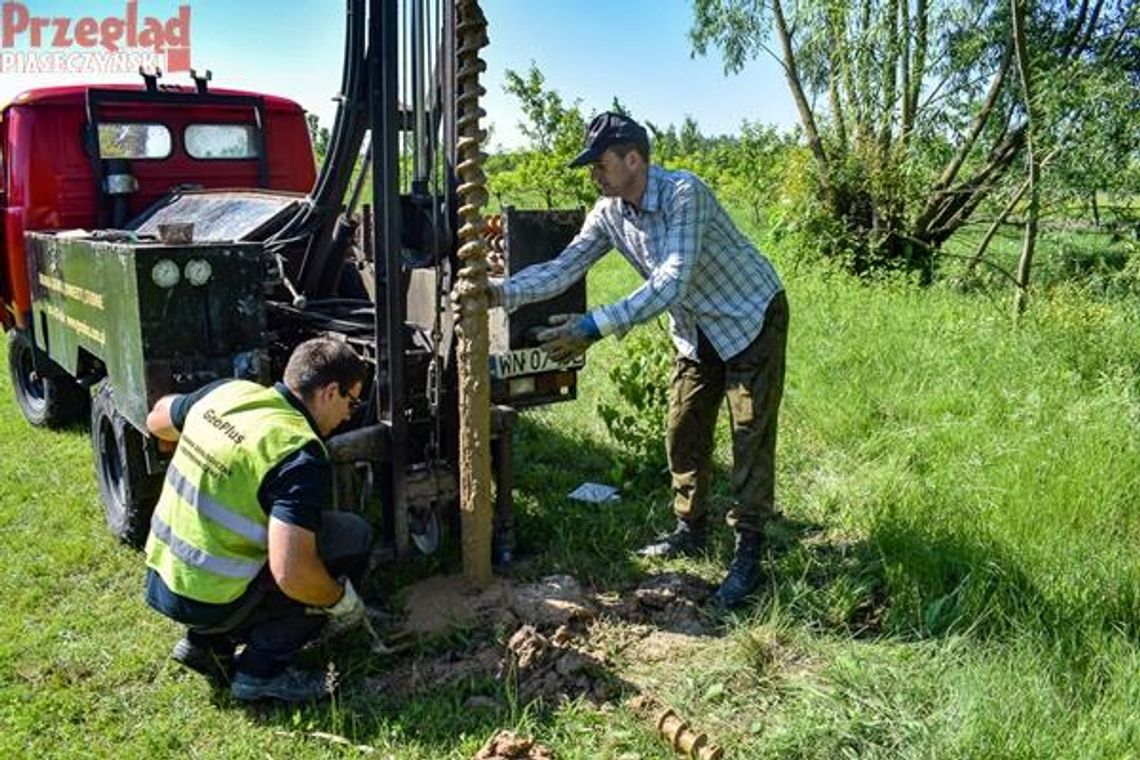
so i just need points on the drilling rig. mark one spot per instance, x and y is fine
(180, 272)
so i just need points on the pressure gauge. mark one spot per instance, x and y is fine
(165, 273)
(198, 271)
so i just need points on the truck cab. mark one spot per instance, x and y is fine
(79, 156)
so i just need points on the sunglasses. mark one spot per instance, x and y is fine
(354, 402)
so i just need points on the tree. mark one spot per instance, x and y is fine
(691, 139)
(554, 132)
(664, 143)
(318, 135)
(911, 110)
(747, 168)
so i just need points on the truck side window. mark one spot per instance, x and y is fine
(221, 141)
(133, 140)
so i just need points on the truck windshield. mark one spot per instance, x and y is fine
(133, 140)
(221, 141)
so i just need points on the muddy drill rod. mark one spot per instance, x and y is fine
(471, 327)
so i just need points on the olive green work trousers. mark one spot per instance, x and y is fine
(753, 383)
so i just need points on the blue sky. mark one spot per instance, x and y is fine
(588, 49)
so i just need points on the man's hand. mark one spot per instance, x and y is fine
(348, 612)
(569, 336)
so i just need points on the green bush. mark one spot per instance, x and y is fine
(636, 421)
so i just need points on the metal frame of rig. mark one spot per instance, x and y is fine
(267, 269)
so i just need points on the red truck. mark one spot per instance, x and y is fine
(150, 140)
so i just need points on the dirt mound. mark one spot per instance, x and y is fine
(553, 601)
(553, 669)
(424, 674)
(438, 603)
(507, 745)
(563, 636)
(668, 601)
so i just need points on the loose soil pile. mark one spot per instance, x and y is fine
(507, 745)
(562, 640)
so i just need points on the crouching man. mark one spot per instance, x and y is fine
(240, 550)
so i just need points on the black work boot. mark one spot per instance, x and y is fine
(687, 539)
(215, 663)
(744, 572)
(290, 685)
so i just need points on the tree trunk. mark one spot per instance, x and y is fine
(833, 100)
(1025, 262)
(955, 204)
(846, 77)
(916, 66)
(938, 196)
(889, 79)
(807, 117)
(980, 251)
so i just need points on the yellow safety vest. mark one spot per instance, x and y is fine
(209, 535)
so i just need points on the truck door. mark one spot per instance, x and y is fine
(5, 295)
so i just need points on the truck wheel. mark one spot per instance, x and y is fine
(47, 401)
(128, 491)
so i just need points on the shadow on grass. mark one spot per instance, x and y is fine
(593, 542)
(951, 583)
(445, 700)
(902, 581)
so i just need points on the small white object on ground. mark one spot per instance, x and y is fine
(595, 493)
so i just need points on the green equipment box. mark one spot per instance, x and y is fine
(154, 318)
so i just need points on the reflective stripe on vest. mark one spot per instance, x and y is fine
(230, 568)
(207, 507)
(209, 534)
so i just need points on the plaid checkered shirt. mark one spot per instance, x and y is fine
(697, 266)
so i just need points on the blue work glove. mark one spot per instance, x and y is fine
(569, 336)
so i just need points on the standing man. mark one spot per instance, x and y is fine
(729, 323)
(240, 550)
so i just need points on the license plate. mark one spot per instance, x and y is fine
(529, 361)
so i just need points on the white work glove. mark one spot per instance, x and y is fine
(569, 336)
(348, 612)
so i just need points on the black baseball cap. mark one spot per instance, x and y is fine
(607, 129)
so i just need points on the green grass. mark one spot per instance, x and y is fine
(1103, 261)
(955, 577)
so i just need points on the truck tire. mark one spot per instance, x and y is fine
(127, 490)
(54, 400)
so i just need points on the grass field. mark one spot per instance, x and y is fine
(955, 576)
